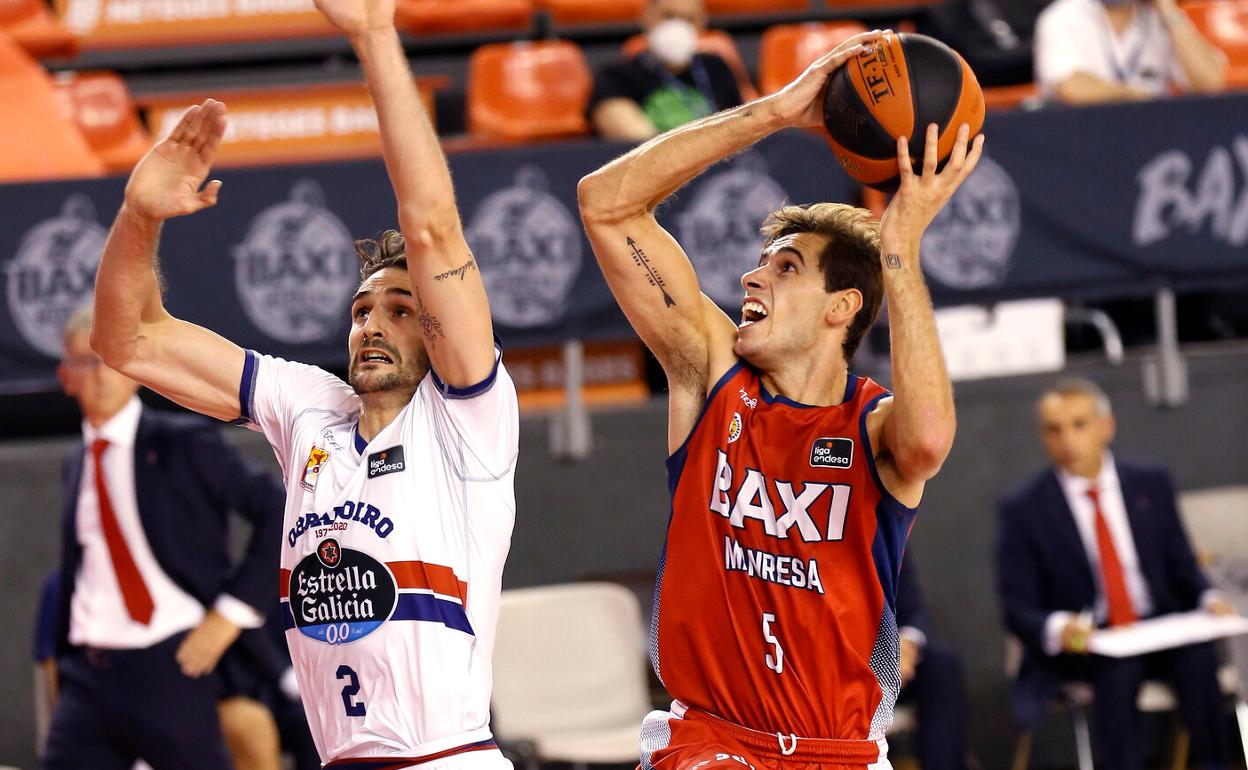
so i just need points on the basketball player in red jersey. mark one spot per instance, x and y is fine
(794, 482)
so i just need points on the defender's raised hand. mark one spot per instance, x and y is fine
(358, 17)
(166, 182)
(921, 196)
(800, 103)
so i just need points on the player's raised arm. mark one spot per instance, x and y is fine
(133, 333)
(447, 289)
(919, 423)
(647, 270)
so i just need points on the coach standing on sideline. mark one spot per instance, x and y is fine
(1095, 540)
(150, 601)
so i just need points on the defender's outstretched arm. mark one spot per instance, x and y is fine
(133, 333)
(447, 290)
(919, 421)
(647, 270)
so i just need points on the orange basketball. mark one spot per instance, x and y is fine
(897, 88)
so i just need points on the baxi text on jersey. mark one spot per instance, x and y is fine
(789, 571)
(336, 520)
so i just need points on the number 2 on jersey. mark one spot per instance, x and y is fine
(774, 662)
(351, 689)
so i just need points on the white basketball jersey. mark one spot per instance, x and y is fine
(392, 554)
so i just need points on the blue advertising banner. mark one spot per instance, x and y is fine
(1075, 203)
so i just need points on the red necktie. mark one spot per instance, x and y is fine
(1117, 599)
(133, 590)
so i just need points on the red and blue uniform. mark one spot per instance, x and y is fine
(774, 625)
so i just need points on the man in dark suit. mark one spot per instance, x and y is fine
(1096, 542)
(931, 679)
(149, 600)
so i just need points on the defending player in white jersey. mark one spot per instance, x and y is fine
(399, 485)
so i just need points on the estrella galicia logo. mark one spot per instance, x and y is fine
(53, 272)
(386, 461)
(339, 595)
(832, 453)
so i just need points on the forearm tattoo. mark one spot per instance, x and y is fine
(893, 261)
(460, 271)
(430, 326)
(652, 275)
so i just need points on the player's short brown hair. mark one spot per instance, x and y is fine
(386, 250)
(851, 259)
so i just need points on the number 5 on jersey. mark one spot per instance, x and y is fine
(775, 661)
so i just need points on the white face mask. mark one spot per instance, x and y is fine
(673, 42)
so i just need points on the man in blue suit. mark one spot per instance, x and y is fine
(149, 599)
(1094, 542)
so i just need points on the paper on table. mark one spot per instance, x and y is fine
(1165, 632)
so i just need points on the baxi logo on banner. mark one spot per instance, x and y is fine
(970, 242)
(529, 248)
(296, 269)
(1170, 198)
(54, 272)
(719, 229)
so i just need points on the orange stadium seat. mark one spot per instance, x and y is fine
(714, 41)
(32, 25)
(787, 49)
(755, 6)
(528, 90)
(592, 11)
(40, 141)
(1225, 23)
(427, 17)
(100, 104)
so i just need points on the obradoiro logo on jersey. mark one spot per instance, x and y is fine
(339, 595)
(296, 269)
(53, 273)
(970, 242)
(719, 229)
(529, 248)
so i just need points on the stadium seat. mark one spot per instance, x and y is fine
(756, 6)
(32, 25)
(713, 41)
(43, 143)
(998, 98)
(430, 17)
(592, 11)
(786, 50)
(1225, 23)
(570, 674)
(100, 104)
(528, 90)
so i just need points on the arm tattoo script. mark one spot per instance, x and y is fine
(430, 326)
(460, 271)
(652, 275)
(893, 261)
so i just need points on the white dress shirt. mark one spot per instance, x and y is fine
(1075, 36)
(98, 615)
(1114, 509)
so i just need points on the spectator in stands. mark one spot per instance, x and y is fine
(666, 85)
(931, 679)
(1094, 542)
(149, 600)
(1090, 51)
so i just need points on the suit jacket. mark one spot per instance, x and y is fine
(187, 480)
(1042, 566)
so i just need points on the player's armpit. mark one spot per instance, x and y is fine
(908, 490)
(656, 287)
(448, 297)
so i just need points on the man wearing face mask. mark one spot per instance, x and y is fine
(1091, 51)
(666, 85)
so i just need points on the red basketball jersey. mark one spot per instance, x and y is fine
(775, 602)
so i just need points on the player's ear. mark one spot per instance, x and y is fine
(842, 306)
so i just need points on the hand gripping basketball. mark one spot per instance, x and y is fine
(800, 103)
(920, 197)
(166, 182)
